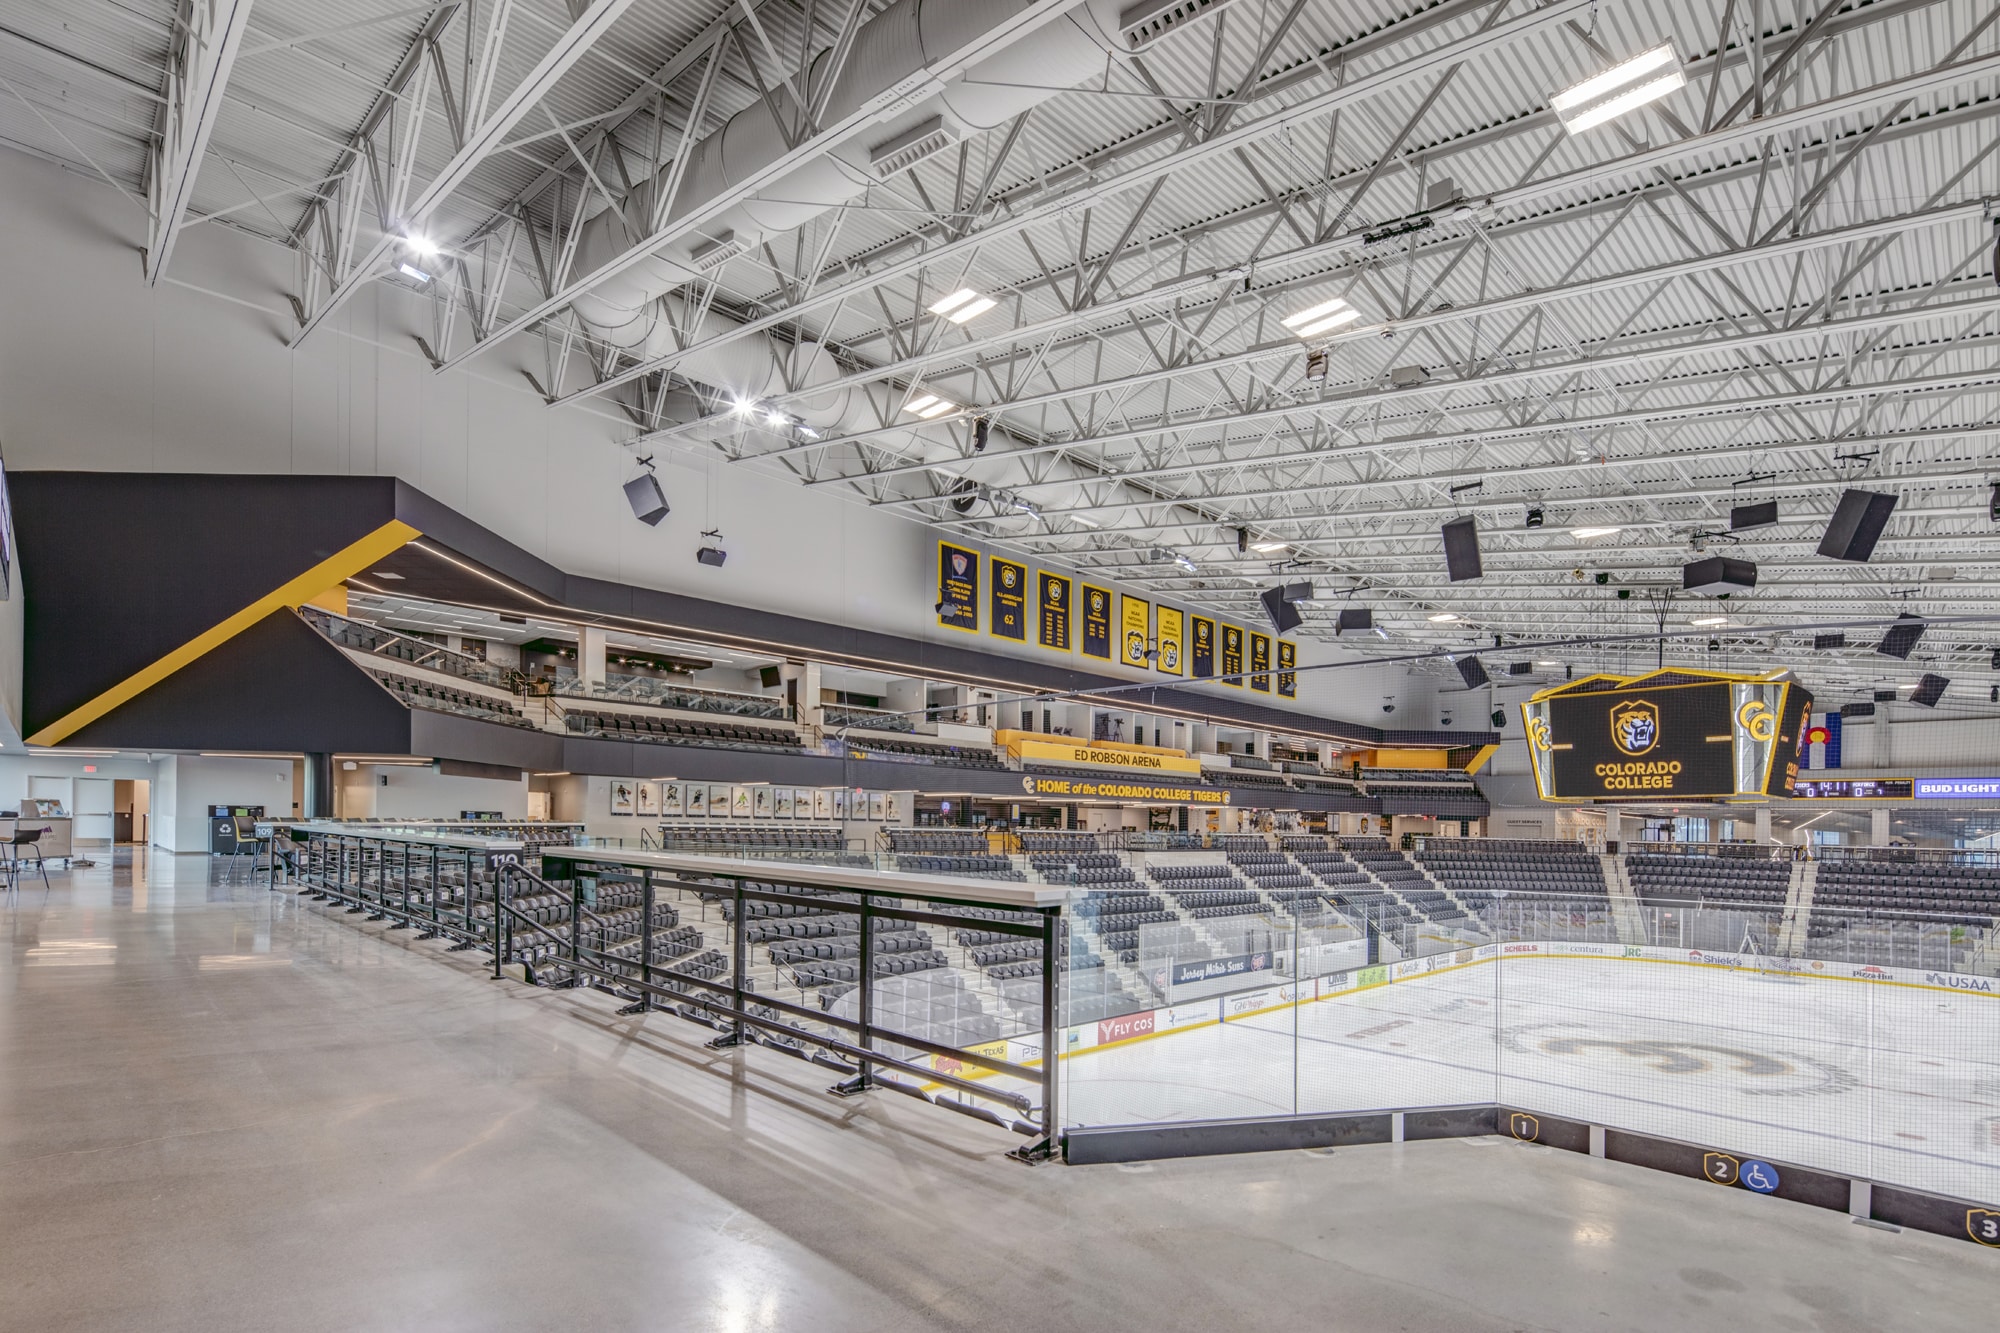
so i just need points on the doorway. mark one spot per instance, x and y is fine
(131, 810)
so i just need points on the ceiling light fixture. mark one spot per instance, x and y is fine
(1321, 318)
(1443, 618)
(1267, 548)
(412, 272)
(1622, 88)
(744, 407)
(1710, 620)
(1585, 534)
(963, 304)
(929, 406)
(420, 244)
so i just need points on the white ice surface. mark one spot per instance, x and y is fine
(1888, 1083)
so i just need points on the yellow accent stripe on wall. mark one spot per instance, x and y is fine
(328, 573)
(1486, 752)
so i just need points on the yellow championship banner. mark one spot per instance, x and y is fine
(1098, 757)
(1135, 620)
(1171, 645)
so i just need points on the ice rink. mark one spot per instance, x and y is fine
(1898, 1083)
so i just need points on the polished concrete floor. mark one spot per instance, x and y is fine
(223, 1108)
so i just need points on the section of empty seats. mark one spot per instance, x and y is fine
(938, 841)
(1238, 776)
(413, 693)
(1723, 880)
(1093, 870)
(1958, 894)
(926, 752)
(1206, 891)
(1481, 872)
(1040, 841)
(668, 730)
(724, 839)
(978, 867)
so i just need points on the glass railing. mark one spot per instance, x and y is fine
(394, 647)
(658, 693)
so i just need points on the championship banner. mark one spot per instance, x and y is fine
(1232, 656)
(1135, 619)
(1170, 641)
(1053, 597)
(958, 588)
(1288, 681)
(1096, 622)
(1009, 618)
(1260, 661)
(1202, 652)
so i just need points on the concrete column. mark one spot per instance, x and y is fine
(1764, 824)
(590, 655)
(1325, 754)
(1614, 827)
(1878, 827)
(318, 803)
(809, 687)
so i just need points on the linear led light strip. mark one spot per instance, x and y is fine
(963, 304)
(1318, 319)
(1616, 91)
(929, 406)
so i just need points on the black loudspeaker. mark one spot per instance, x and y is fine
(1718, 575)
(712, 555)
(1520, 668)
(1284, 616)
(1499, 718)
(1900, 638)
(1753, 516)
(1885, 696)
(1857, 525)
(1929, 690)
(1996, 659)
(981, 430)
(770, 677)
(1354, 617)
(1461, 549)
(1857, 710)
(1299, 592)
(648, 501)
(1822, 642)
(1473, 672)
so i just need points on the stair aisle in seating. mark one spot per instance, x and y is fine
(1797, 927)
(1626, 917)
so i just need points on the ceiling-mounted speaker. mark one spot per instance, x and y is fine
(1857, 525)
(1929, 690)
(1885, 696)
(1857, 710)
(1753, 516)
(1461, 549)
(1520, 668)
(1473, 672)
(712, 555)
(1354, 617)
(964, 494)
(1900, 638)
(648, 501)
(1822, 642)
(1284, 616)
(1718, 576)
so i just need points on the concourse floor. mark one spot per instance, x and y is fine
(223, 1108)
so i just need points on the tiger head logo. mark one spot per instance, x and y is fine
(1635, 726)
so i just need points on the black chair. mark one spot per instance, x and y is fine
(22, 848)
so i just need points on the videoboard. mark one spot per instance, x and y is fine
(1667, 735)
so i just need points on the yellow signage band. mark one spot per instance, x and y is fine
(328, 573)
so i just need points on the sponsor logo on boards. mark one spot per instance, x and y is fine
(1371, 976)
(1714, 959)
(1634, 951)
(1249, 1002)
(1520, 948)
(1958, 981)
(1124, 1027)
(1871, 974)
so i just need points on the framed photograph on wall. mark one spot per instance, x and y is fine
(781, 802)
(760, 802)
(718, 799)
(672, 802)
(840, 802)
(822, 803)
(877, 804)
(623, 796)
(697, 798)
(802, 803)
(739, 802)
(648, 802)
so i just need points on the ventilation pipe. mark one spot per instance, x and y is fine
(888, 66)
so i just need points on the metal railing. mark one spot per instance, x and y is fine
(672, 694)
(391, 646)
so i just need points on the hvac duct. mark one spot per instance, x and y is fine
(886, 65)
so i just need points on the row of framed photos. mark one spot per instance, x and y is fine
(722, 800)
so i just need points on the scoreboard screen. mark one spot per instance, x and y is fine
(1667, 736)
(1856, 789)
